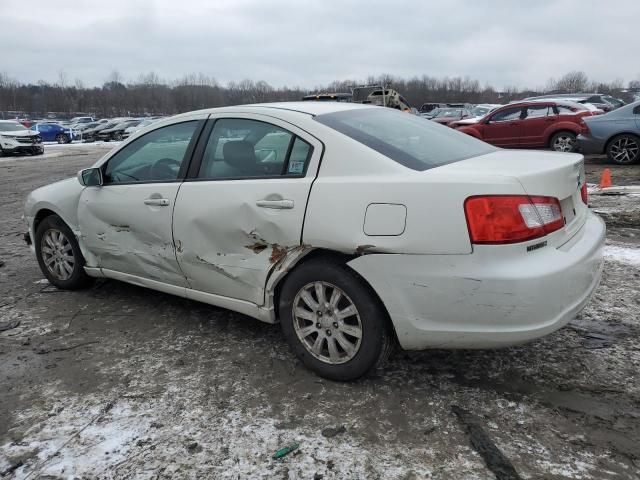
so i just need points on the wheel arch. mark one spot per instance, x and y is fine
(560, 129)
(616, 135)
(338, 258)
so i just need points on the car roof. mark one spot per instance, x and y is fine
(308, 107)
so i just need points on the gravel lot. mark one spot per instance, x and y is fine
(122, 382)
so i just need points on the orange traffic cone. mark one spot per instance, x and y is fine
(605, 180)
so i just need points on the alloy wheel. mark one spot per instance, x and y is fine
(57, 254)
(624, 150)
(327, 322)
(564, 143)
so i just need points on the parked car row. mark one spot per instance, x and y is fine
(563, 126)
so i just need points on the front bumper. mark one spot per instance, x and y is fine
(488, 298)
(590, 145)
(26, 148)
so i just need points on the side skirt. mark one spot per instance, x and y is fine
(263, 314)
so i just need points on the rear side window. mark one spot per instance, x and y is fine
(241, 148)
(409, 140)
(507, 115)
(538, 111)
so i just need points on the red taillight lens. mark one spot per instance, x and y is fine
(498, 219)
(584, 128)
(584, 194)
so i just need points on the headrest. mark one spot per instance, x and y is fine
(239, 154)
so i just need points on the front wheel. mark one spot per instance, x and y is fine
(624, 149)
(62, 138)
(117, 136)
(59, 255)
(333, 321)
(564, 142)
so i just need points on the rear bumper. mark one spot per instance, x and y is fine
(590, 145)
(486, 299)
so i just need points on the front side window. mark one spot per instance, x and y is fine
(243, 148)
(154, 157)
(507, 115)
(409, 140)
(538, 111)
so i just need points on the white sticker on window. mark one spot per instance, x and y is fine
(296, 167)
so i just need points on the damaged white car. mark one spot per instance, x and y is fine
(356, 227)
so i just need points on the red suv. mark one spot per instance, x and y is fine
(553, 124)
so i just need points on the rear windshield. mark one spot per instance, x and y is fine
(410, 140)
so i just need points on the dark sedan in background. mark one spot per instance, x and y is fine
(616, 133)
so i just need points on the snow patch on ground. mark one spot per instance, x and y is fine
(621, 254)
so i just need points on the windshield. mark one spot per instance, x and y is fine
(407, 139)
(479, 111)
(448, 112)
(11, 127)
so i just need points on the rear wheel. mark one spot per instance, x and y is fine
(59, 255)
(117, 136)
(624, 149)
(333, 321)
(62, 138)
(563, 142)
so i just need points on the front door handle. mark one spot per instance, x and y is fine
(157, 202)
(275, 204)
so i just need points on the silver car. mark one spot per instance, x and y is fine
(616, 133)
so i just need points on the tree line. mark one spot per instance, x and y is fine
(150, 95)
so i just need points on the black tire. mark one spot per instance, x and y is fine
(78, 278)
(377, 340)
(564, 141)
(62, 138)
(117, 136)
(624, 149)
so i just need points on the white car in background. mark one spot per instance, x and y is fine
(133, 129)
(356, 227)
(16, 138)
(478, 112)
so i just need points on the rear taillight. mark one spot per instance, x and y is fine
(499, 219)
(584, 129)
(584, 194)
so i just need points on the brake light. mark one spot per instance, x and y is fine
(584, 128)
(584, 194)
(500, 219)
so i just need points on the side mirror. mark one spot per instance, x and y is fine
(90, 177)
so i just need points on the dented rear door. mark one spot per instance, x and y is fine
(234, 221)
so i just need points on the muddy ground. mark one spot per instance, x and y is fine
(122, 382)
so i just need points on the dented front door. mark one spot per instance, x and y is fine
(231, 228)
(128, 229)
(125, 224)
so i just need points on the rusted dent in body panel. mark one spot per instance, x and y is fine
(277, 253)
(362, 249)
(256, 247)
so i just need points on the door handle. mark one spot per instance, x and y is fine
(275, 204)
(157, 202)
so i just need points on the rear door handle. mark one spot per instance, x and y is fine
(275, 204)
(157, 202)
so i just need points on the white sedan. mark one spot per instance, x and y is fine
(356, 227)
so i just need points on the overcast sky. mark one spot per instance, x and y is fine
(308, 43)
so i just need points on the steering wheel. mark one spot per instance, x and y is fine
(164, 169)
